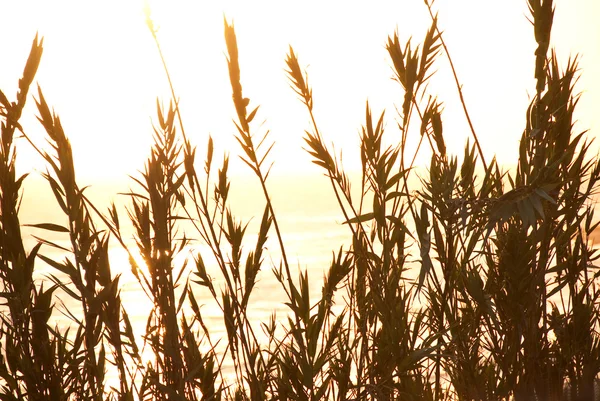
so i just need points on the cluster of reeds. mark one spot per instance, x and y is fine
(479, 284)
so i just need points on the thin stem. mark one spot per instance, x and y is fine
(458, 88)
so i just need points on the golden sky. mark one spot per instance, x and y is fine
(102, 74)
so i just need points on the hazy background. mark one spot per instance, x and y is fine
(102, 74)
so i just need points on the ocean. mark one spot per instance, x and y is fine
(311, 225)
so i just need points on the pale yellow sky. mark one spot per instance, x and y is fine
(101, 72)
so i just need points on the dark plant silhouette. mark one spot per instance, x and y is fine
(477, 284)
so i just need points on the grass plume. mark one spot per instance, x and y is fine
(478, 284)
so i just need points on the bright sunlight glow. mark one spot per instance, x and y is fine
(102, 74)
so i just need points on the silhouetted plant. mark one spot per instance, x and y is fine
(477, 284)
